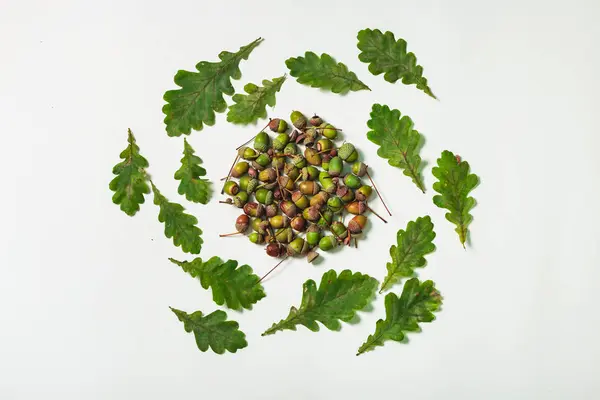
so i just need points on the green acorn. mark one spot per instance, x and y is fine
(345, 193)
(299, 162)
(290, 149)
(253, 209)
(267, 175)
(309, 173)
(280, 141)
(231, 188)
(240, 199)
(279, 221)
(264, 196)
(278, 125)
(291, 171)
(309, 187)
(247, 153)
(336, 165)
(327, 243)
(326, 182)
(256, 237)
(312, 157)
(335, 204)
(240, 169)
(325, 159)
(329, 131)
(300, 200)
(284, 235)
(285, 182)
(364, 192)
(243, 183)
(359, 168)
(263, 160)
(352, 181)
(262, 142)
(278, 163)
(297, 246)
(311, 214)
(348, 153)
(298, 120)
(313, 235)
(324, 145)
(316, 120)
(339, 229)
(326, 218)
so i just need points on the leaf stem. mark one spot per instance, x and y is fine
(379, 216)
(252, 138)
(272, 269)
(378, 194)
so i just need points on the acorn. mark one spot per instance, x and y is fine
(300, 200)
(313, 235)
(311, 213)
(267, 175)
(253, 209)
(336, 165)
(357, 224)
(290, 149)
(316, 120)
(298, 120)
(311, 256)
(285, 182)
(291, 171)
(326, 218)
(284, 235)
(335, 204)
(262, 141)
(260, 226)
(263, 160)
(339, 229)
(311, 136)
(299, 139)
(256, 237)
(279, 221)
(278, 125)
(257, 166)
(240, 199)
(298, 223)
(247, 153)
(243, 182)
(231, 188)
(264, 196)
(242, 223)
(327, 243)
(252, 185)
(280, 141)
(309, 187)
(277, 196)
(326, 182)
(299, 161)
(345, 193)
(325, 159)
(309, 173)
(297, 246)
(252, 172)
(324, 145)
(240, 169)
(288, 208)
(356, 207)
(363, 192)
(294, 135)
(329, 131)
(312, 156)
(275, 249)
(348, 153)
(271, 210)
(319, 199)
(359, 168)
(352, 181)
(278, 163)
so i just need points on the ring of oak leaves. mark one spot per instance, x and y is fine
(338, 297)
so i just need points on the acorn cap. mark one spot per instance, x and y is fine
(311, 256)
(345, 151)
(271, 210)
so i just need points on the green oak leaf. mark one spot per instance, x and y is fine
(130, 183)
(454, 185)
(323, 72)
(398, 141)
(237, 288)
(252, 106)
(194, 187)
(201, 93)
(416, 304)
(414, 244)
(386, 55)
(178, 225)
(213, 330)
(337, 298)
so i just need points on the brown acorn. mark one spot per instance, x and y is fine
(300, 200)
(252, 172)
(271, 210)
(286, 183)
(319, 199)
(254, 209)
(312, 156)
(267, 175)
(274, 249)
(311, 214)
(298, 223)
(356, 207)
(288, 208)
(309, 187)
(357, 224)
(242, 223)
(315, 120)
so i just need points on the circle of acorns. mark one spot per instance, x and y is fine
(295, 201)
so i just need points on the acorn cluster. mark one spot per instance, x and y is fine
(297, 187)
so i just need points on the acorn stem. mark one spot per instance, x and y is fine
(279, 184)
(252, 138)
(225, 201)
(272, 269)
(378, 216)
(229, 174)
(229, 234)
(378, 194)
(355, 242)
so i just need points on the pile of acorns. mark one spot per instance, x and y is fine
(300, 198)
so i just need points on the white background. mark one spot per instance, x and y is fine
(85, 290)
